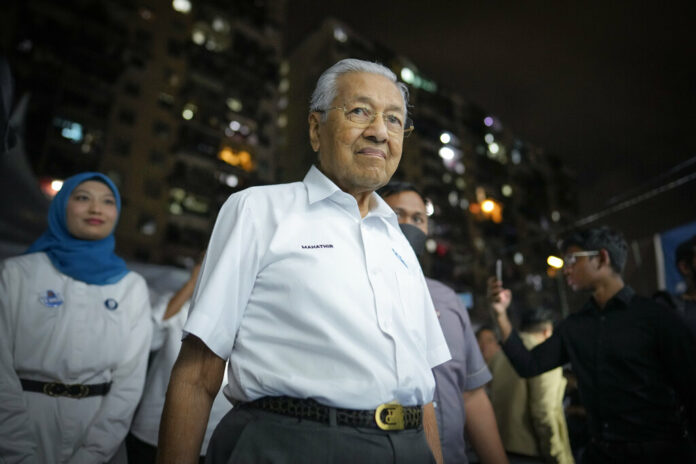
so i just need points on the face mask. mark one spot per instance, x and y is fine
(415, 237)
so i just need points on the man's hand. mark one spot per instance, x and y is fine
(499, 298)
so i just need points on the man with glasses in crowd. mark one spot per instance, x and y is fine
(633, 358)
(318, 301)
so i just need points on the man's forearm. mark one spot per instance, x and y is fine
(431, 433)
(504, 325)
(183, 424)
(193, 385)
(482, 428)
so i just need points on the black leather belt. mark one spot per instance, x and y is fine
(61, 389)
(388, 416)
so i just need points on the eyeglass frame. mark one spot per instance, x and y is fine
(572, 258)
(406, 131)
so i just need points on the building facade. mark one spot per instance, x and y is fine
(174, 100)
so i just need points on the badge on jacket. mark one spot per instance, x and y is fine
(111, 304)
(51, 299)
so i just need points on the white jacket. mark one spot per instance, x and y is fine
(55, 328)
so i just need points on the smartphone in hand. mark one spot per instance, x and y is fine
(499, 270)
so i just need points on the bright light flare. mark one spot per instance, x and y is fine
(555, 262)
(446, 153)
(488, 206)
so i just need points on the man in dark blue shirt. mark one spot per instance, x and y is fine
(633, 358)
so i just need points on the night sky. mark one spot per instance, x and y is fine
(609, 87)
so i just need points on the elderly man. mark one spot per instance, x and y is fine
(461, 403)
(317, 300)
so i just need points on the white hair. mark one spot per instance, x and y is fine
(325, 91)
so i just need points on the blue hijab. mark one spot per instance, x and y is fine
(91, 261)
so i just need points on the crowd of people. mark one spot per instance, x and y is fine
(308, 332)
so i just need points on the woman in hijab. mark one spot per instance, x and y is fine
(74, 334)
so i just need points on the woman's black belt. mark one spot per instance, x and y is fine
(69, 391)
(388, 416)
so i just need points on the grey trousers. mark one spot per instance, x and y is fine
(252, 436)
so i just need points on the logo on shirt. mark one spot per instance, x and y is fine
(51, 299)
(400, 258)
(111, 304)
(327, 245)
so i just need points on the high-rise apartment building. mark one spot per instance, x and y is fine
(174, 100)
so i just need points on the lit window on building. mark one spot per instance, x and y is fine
(147, 225)
(234, 104)
(340, 35)
(239, 158)
(198, 36)
(231, 180)
(182, 6)
(189, 111)
(70, 130)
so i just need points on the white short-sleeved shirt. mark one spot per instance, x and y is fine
(310, 300)
(54, 328)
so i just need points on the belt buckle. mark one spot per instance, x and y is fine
(390, 416)
(60, 389)
(54, 389)
(83, 390)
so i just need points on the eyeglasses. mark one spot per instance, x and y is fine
(571, 258)
(364, 117)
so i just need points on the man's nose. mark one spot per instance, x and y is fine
(377, 128)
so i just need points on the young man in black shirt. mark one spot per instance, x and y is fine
(633, 358)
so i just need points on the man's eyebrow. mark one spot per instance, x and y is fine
(371, 102)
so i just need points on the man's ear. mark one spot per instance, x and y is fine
(314, 126)
(604, 258)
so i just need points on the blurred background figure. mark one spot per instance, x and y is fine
(7, 135)
(487, 342)
(74, 334)
(459, 383)
(686, 264)
(530, 411)
(169, 313)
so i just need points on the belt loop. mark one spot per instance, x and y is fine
(332, 417)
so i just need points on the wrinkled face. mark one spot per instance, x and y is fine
(91, 211)
(358, 158)
(582, 274)
(409, 209)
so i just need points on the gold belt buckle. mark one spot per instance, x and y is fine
(390, 416)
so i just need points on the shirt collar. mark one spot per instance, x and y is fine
(319, 187)
(621, 299)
